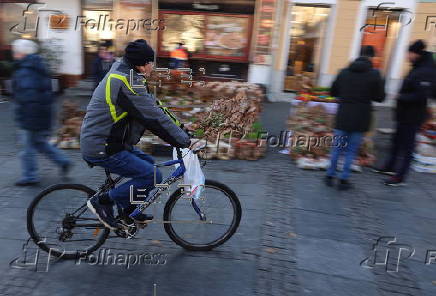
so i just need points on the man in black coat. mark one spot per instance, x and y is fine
(101, 64)
(356, 87)
(410, 113)
(33, 98)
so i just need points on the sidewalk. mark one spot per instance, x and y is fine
(297, 237)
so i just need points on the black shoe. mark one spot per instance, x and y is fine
(383, 171)
(26, 183)
(329, 180)
(394, 181)
(65, 169)
(141, 218)
(344, 184)
(103, 210)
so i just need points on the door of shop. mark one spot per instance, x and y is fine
(381, 31)
(307, 34)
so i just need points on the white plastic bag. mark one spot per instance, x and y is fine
(193, 176)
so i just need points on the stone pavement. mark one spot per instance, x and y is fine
(296, 237)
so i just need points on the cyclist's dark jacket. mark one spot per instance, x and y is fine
(119, 113)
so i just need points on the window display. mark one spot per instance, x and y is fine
(185, 28)
(226, 36)
(206, 35)
(306, 38)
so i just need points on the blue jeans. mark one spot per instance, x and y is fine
(348, 143)
(33, 142)
(130, 164)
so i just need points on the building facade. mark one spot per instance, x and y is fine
(315, 39)
(278, 43)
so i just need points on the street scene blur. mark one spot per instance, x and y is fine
(233, 147)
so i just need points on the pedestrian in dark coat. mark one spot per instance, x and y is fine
(33, 97)
(355, 87)
(102, 64)
(410, 112)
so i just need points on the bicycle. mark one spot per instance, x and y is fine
(77, 224)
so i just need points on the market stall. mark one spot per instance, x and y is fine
(425, 156)
(311, 124)
(225, 114)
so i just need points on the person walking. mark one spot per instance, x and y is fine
(355, 87)
(179, 57)
(102, 64)
(410, 113)
(31, 85)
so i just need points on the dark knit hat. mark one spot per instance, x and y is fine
(418, 47)
(139, 53)
(367, 51)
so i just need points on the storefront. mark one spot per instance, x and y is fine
(217, 36)
(114, 23)
(388, 28)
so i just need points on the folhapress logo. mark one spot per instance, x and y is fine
(388, 253)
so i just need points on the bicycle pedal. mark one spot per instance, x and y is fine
(127, 231)
(141, 225)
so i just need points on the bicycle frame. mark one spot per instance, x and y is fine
(156, 192)
(166, 183)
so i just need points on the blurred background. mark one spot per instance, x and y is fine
(277, 43)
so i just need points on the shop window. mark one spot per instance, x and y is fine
(114, 24)
(206, 35)
(307, 34)
(185, 28)
(381, 31)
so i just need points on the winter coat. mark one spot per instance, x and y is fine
(356, 87)
(32, 93)
(418, 86)
(100, 67)
(119, 112)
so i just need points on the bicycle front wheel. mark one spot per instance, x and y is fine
(205, 224)
(60, 223)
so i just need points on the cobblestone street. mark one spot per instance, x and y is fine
(297, 236)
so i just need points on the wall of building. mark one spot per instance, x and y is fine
(70, 39)
(343, 33)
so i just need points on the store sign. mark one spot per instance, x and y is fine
(239, 7)
(59, 21)
(205, 6)
(98, 4)
(265, 25)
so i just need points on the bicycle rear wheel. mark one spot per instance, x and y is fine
(60, 223)
(222, 215)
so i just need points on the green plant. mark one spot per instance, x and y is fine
(257, 127)
(320, 88)
(199, 133)
(252, 136)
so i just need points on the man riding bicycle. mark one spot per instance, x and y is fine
(119, 112)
